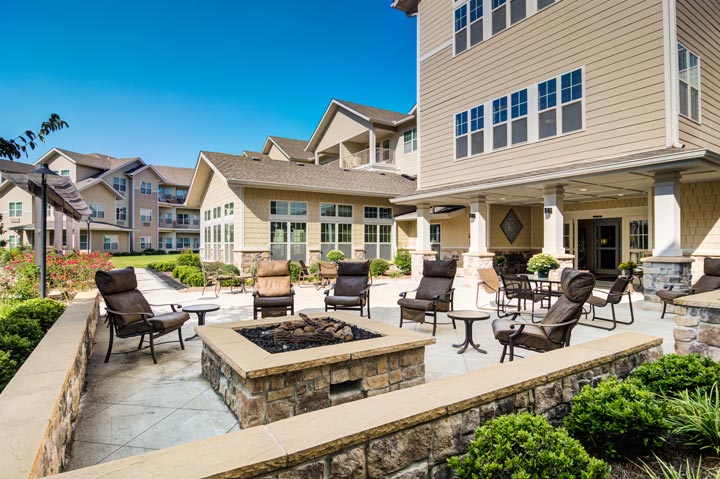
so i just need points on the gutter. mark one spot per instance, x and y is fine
(314, 189)
(671, 65)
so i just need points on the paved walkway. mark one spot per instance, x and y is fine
(133, 406)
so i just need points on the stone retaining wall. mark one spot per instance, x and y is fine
(38, 408)
(697, 325)
(402, 434)
(659, 271)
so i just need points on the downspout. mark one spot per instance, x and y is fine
(672, 89)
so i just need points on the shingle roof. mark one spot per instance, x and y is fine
(86, 160)
(376, 114)
(256, 154)
(299, 176)
(175, 175)
(294, 148)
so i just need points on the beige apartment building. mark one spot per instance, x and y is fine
(586, 129)
(299, 199)
(135, 206)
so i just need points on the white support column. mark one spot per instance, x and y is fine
(58, 229)
(553, 220)
(651, 218)
(667, 215)
(372, 152)
(478, 226)
(422, 243)
(37, 240)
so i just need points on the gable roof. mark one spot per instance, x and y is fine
(410, 7)
(288, 175)
(256, 154)
(82, 159)
(174, 175)
(291, 148)
(368, 113)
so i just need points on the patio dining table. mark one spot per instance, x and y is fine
(546, 284)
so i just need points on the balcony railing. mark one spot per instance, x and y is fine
(178, 200)
(191, 225)
(383, 156)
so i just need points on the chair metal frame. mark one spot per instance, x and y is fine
(612, 298)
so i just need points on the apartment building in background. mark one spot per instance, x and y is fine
(585, 129)
(135, 206)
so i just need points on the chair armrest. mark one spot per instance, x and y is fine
(130, 313)
(172, 305)
(404, 293)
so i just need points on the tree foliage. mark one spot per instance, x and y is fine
(15, 148)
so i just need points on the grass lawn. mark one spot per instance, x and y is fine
(140, 261)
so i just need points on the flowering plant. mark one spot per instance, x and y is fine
(627, 265)
(542, 262)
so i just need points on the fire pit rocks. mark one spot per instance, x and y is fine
(261, 387)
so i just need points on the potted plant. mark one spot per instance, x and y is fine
(500, 260)
(542, 263)
(627, 268)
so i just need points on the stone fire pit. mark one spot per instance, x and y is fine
(260, 387)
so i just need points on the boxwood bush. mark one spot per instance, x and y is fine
(43, 311)
(378, 266)
(335, 255)
(8, 366)
(672, 374)
(617, 419)
(188, 259)
(526, 446)
(164, 266)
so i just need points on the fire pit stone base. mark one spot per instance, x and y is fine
(261, 388)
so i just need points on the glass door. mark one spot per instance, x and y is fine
(607, 246)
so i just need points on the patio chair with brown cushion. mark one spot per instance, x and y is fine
(351, 288)
(710, 281)
(518, 287)
(129, 314)
(273, 295)
(434, 294)
(490, 283)
(554, 331)
(327, 271)
(612, 297)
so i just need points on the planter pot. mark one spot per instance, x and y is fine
(542, 273)
(627, 273)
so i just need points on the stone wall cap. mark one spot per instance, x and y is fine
(710, 300)
(479, 255)
(424, 252)
(565, 257)
(667, 259)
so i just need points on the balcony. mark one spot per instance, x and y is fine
(185, 225)
(383, 157)
(172, 199)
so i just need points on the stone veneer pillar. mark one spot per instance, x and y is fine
(661, 270)
(418, 257)
(472, 262)
(697, 325)
(566, 261)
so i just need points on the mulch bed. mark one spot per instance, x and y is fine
(670, 454)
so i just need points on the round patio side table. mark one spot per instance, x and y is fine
(201, 310)
(468, 317)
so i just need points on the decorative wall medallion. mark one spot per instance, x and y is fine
(511, 226)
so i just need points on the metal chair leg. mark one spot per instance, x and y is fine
(662, 316)
(142, 338)
(152, 348)
(182, 344)
(110, 344)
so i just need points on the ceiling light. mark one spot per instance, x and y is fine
(583, 189)
(621, 194)
(503, 199)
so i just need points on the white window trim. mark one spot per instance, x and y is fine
(148, 217)
(533, 123)
(10, 211)
(288, 243)
(699, 89)
(456, 136)
(506, 122)
(512, 120)
(97, 210)
(288, 217)
(142, 187)
(412, 142)
(378, 220)
(530, 10)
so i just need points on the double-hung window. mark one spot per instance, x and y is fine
(119, 184)
(145, 242)
(461, 135)
(544, 3)
(689, 64)
(477, 130)
(121, 213)
(499, 16)
(15, 209)
(288, 230)
(518, 115)
(377, 232)
(571, 95)
(410, 141)
(229, 209)
(145, 215)
(111, 242)
(476, 21)
(98, 210)
(518, 10)
(500, 127)
(336, 228)
(547, 108)
(461, 42)
(145, 187)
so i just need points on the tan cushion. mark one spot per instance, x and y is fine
(273, 286)
(273, 268)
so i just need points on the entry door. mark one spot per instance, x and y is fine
(608, 246)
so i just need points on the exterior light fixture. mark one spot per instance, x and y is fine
(44, 172)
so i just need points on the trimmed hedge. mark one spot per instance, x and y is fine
(44, 311)
(164, 266)
(673, 374)
(379, 266)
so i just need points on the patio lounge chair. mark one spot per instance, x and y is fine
(434, 294)
(273, 295)
(129, 314)
(215, 273)
(553, 332)
(612, 297)
(710, 281)
(351, 288)
(305, 275)
(328, 272)
(490, 283)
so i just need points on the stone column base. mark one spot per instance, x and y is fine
(358, 254)
(314, 255)
(697, 327)
(471, 263)
(566, 261)
(245, 259)
(661, 270)
(418, 257)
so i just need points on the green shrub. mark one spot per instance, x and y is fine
(314, 268)
(164, 266)
(695, 419)
(403, 261)
(295, 272)
(8, 367)
(18, 347)
(617, 419)
(188, 259)
(335, 255)
(193, 279)
(378, 266)
(669, 471)
(43, 311)
(672, 374)
(525, 446)
(21, 326)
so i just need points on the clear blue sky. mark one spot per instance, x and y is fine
(165, 79)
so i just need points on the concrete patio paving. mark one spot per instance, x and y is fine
(133, 406)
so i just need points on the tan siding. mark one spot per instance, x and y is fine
(498, 240)
(406, 163)
(407, 234)
(620, 46)
(435, 23)
(276, 154)
(59, 163)
(15, 194)
(701, 217)
(455, 231)
(146, 202)
(698, 30)
(343, 126)
(606, 204)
